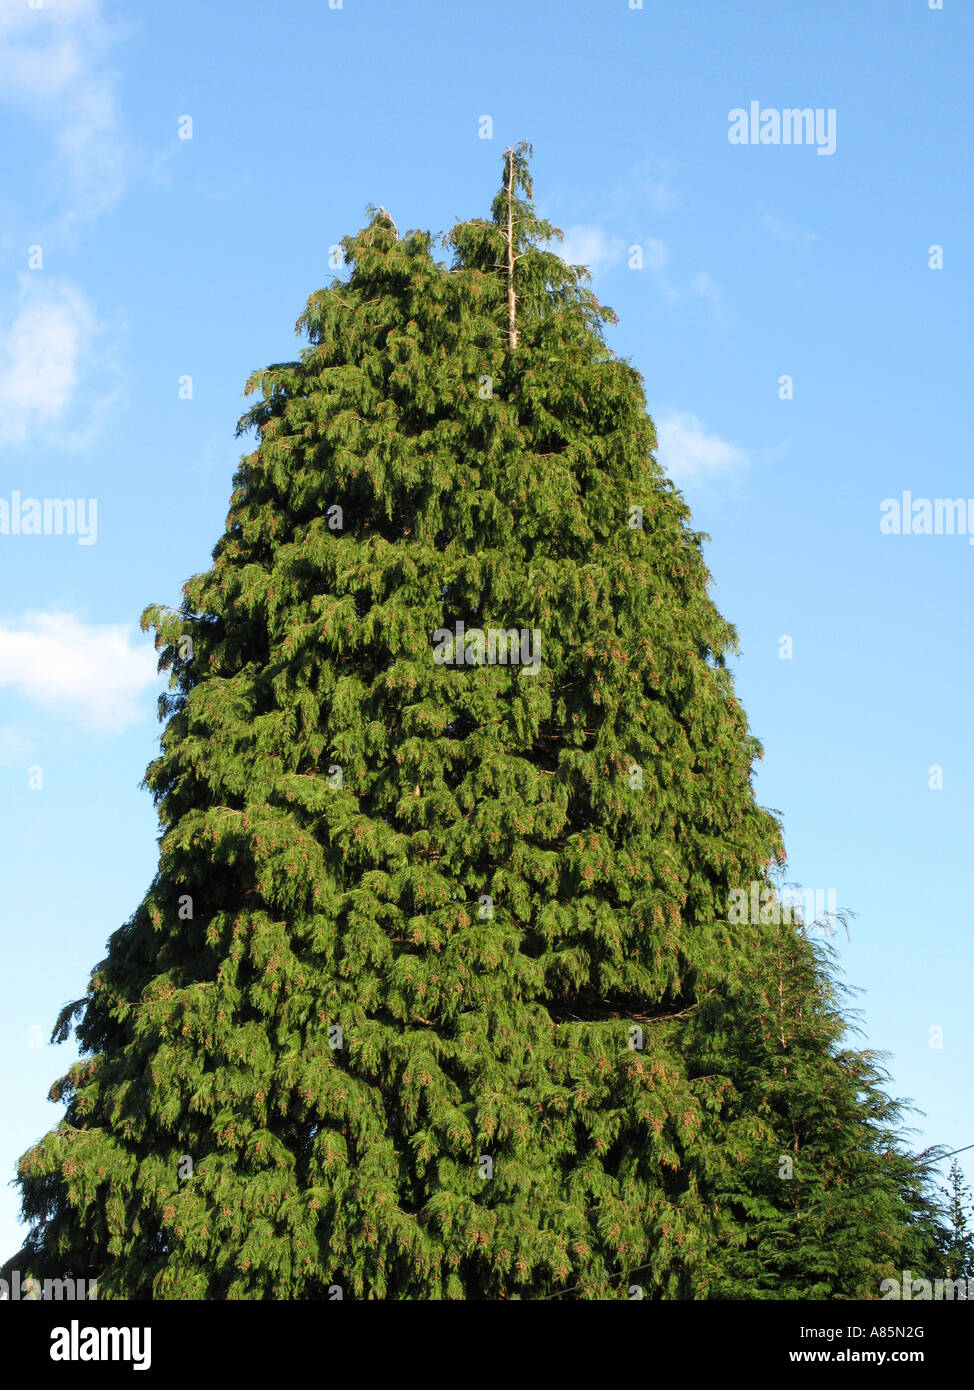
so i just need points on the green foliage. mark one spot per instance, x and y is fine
(956, 1244)
(406, 915)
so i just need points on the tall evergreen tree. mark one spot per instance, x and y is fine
(435, 993)
(957, 1238)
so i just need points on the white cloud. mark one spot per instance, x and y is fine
(787, 232)
(691, 455)
(95, 674)
(657, 254)
(599, 250)
(13, 747)
(590, 246)
(706, 288)
(52, 67)
(40, 355)
(647, 185)
(660, 195)
(48, 351)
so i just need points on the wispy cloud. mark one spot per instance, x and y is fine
(95, 674)
(53, 68)
(600, 250)
(14, 748)
(786, 232)
(703, 287)
(648, 186)
(590, 246)
(658, 193)
(624, 207)
(656, 254)
(48, 351)
(691, 454)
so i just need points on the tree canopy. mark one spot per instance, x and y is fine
(435, 993)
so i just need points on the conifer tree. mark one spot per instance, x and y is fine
(435, 992)
(957, 1237)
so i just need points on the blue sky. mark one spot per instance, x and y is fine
(131, 259)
